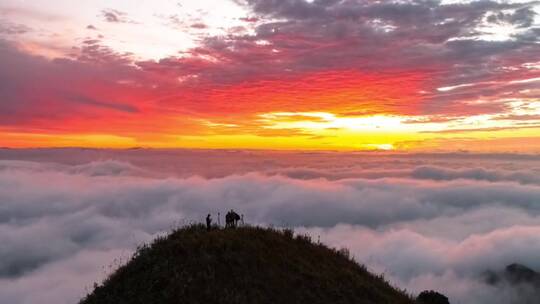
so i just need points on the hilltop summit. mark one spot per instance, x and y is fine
(242, 265)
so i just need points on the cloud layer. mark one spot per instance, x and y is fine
(425, 221)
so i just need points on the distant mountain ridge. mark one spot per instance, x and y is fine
(522, 284)
(513, 274)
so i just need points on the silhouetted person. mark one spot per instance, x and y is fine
(231, 219)
(228, 219)
(208, 222)
(235, 218)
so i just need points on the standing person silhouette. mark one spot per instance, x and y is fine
(235, 218)
(228, 220)
(208, 222)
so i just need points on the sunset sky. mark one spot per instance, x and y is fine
(420, 75)
(405, 130)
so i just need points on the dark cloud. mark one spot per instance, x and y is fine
(249, 19)
(440, 173)
(9, 28)
(33, 89)
(523, 17)
(199, 26)
(443, 41)
(106, 104)
(115, 16)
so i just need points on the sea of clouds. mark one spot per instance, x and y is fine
(427, 221)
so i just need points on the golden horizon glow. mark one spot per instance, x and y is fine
(315, 131)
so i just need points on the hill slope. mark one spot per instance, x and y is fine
(243, 265)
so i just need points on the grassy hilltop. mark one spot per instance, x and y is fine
(242, 265)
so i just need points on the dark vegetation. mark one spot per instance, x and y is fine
(431, 297)
(242, 265)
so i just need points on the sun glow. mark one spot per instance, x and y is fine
(383, 147)
(313, 121)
